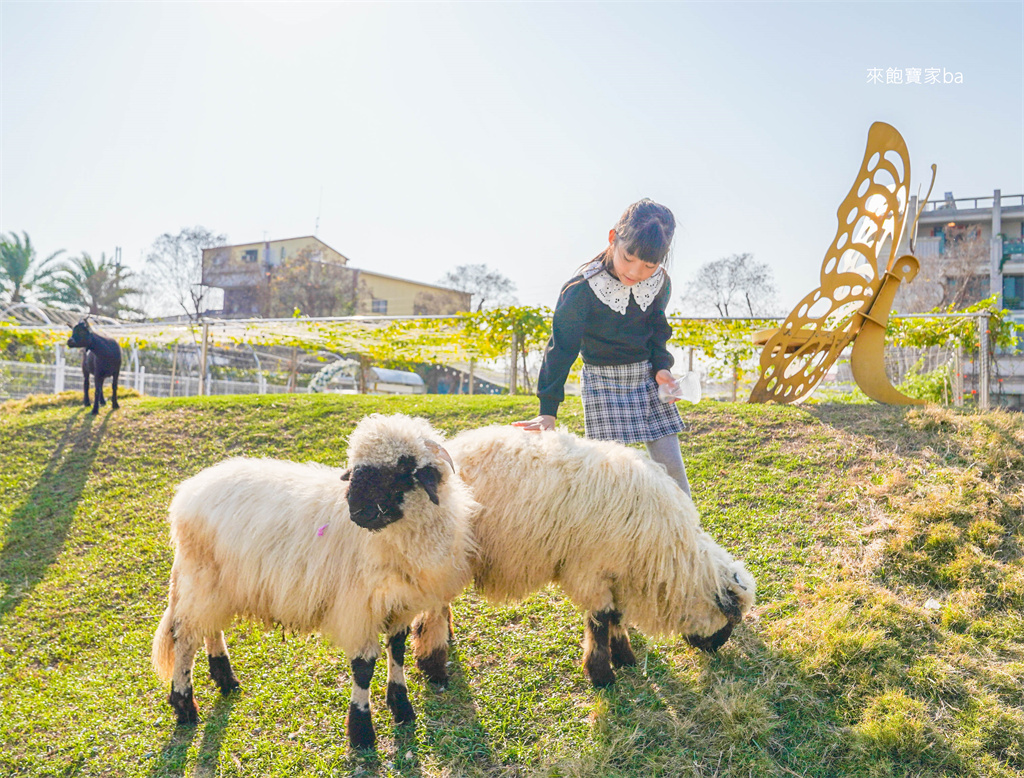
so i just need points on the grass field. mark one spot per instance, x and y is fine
(889, 639)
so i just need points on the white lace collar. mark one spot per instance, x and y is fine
(615, 294)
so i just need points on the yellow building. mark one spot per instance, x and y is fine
(272, 278)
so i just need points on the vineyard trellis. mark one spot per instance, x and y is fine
(509, 340)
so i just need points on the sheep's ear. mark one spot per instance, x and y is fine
(347, 474)
(429, 477)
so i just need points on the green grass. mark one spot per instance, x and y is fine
(852, 518)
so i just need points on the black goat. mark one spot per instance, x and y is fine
(102, 358)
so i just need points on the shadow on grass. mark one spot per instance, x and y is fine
(453, 733)
(744, 711)
(38, 527)
(172, 761)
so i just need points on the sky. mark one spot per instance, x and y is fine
(416, 137)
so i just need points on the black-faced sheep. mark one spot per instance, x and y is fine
(101, 359)
(350, 554)
(610, 527)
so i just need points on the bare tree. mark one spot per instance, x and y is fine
(175, 267)
(732, 286)
(488, 287)
(957, 276)
(309, 285)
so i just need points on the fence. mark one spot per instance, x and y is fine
(241, 365)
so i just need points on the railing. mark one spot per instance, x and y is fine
(1005, 201)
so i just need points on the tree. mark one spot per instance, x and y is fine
(99, 288)
(175, 264)
(487, 286)
(309, 285)
(19, 270)
(733, 286)
(953, 278)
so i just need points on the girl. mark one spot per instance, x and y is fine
(613, 311)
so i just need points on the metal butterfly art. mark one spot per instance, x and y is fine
(852, 304)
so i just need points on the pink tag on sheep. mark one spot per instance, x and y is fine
(320, 532)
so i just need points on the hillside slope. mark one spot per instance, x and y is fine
(886, 544)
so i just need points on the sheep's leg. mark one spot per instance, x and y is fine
(360, 723)
(622, 651)
(398, 694)
(185, 647)
(220, 664)
(430, 635)
(596, 650)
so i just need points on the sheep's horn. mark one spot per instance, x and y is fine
(438, 449)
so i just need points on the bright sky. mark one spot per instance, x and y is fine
(511, 134)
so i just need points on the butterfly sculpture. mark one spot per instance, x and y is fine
(852, 303)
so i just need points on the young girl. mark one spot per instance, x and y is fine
(613, 311)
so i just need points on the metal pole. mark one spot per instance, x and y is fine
(202, 359)
(472, 362)
(58, 376)
(512, 377)
(983, 367)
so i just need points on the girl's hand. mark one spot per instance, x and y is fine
(536, 424)
(664, 378)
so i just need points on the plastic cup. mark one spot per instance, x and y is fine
(687, 388)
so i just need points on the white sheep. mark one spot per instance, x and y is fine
(610, 527)
(273, 540)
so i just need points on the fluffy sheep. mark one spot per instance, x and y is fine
(349, 554)
(610, 527)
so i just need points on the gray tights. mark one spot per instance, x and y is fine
(665, 451)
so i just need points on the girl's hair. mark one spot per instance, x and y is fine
(644, 230)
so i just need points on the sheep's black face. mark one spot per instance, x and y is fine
(79, 336)
(731, 610)
(376, 492)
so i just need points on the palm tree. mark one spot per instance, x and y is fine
(94, 287)
(19, 271)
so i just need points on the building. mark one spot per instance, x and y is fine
(275, 277)
(995, 222)
(975, 246)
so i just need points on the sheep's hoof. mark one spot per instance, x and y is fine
(184, 705)
(600, 674)
(435, 666)
(220, 672)
(399, 705)
(360, 728)
(95, 411)
(622, 653)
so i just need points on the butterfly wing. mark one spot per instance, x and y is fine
(871, 222)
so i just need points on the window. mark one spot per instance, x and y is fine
(379, 306)
(250, 256)
(1013, 292)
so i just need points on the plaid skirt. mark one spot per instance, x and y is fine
(620, 402)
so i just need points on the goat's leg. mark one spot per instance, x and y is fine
(220, 664)
(98, 381)
(622, 651)
(113, 391)
(85, 389)
(398, 694)
(431, 632)
(360, 723)
(181, 699)
(596, 651)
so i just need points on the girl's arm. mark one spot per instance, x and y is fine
(567, 325)
(661, 331)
